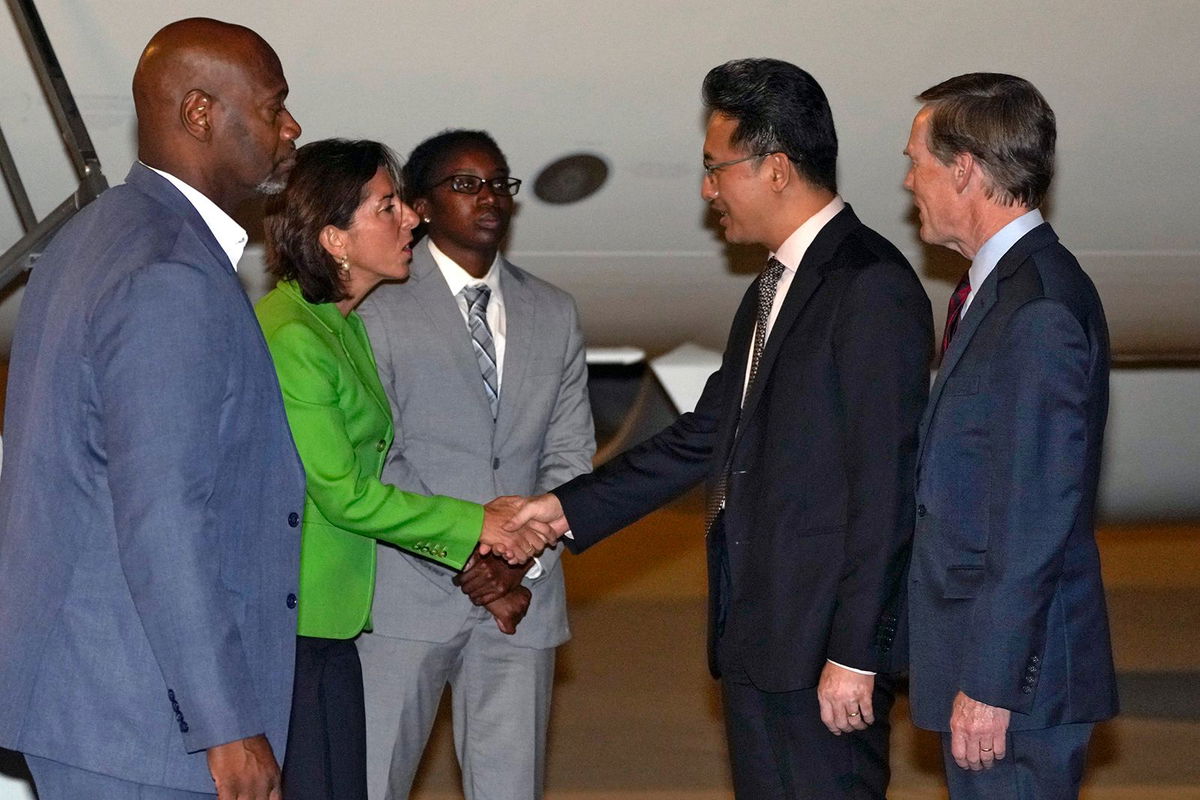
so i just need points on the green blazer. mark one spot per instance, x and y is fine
(342, 424)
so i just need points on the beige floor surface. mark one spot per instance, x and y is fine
(636, 715)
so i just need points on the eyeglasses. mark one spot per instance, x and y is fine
(473, 184)
(710, 170)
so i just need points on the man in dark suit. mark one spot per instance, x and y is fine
(149, 506)
(1011, 658)
(807, 436)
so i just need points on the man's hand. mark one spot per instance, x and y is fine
(845, 699)
(245, 769)
(486, 579)
(977, 733)
(543, 509)
(515, 543)
(510, 609)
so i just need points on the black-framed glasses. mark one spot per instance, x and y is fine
(473, 184)
(710, 170)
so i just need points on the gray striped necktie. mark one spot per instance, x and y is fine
(768, 282)
(481, 340)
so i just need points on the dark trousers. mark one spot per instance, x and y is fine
(58, 781)
(327, 741)
(780, 749)
(1038, 765)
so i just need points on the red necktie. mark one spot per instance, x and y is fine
(956, 303)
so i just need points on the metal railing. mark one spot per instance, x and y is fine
(21, 256)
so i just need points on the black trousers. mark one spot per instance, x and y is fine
(327, 741)
(780, 750)
(1038, 765)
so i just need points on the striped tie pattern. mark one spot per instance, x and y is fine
(768, 282)
(955, 309)
(481, 338)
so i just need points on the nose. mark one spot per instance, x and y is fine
(908, 179)
(290, 129)
(408, 217)
(708, 188)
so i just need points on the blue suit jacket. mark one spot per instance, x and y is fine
(149, 505)
(1006, 600)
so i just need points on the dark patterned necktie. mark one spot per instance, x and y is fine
(953, 312)
(481, 339)
(768, 282)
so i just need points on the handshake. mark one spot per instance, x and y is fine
(519, 528)
(515, 529)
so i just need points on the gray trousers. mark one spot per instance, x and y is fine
(57, 781)
(500, 701)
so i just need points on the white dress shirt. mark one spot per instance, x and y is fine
(229, 235)
(994, 249)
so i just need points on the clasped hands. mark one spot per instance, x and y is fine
(515, 529)
(519, 528)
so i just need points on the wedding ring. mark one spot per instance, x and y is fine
(983, 749)
(852, 714)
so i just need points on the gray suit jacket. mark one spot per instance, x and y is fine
(447, 443)
(150, 503)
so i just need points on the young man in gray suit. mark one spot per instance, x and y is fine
(484, 366)
(1011, 658)
(150, 506)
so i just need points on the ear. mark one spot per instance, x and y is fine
(421, 206)
(333, 239)
(964, 168)
(779, 171)
(195, 114)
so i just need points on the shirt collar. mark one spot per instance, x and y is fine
(457, 277)
(1000, 243)
(792, 251)
(229, 235)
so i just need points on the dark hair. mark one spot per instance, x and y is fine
(779, 108)
(1004, 123)
(429, 157)
(325, 187)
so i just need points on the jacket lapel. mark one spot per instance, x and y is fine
(518, 321)
(160, 189)
(984, 301)
(809, 275)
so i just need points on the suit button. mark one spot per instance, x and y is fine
(291, 601)
(921, 510)
(495, 463)
(293, 519)
(380, 446)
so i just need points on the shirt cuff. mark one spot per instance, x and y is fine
(536, 571)
(852, 669)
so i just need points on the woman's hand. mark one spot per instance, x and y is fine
(514, 546)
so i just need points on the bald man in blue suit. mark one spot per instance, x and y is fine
(149, 506)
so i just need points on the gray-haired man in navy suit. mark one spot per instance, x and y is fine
(1010, 655)
(149, 507)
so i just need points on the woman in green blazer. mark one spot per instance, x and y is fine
(335, 232)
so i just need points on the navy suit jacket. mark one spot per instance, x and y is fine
(149, 504)
(1006, 600)
(818, 511)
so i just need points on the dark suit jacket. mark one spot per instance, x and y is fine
(1006, 600)
(818, 512)
(150, 502)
